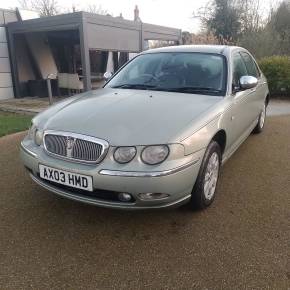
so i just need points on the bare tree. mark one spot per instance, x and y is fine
(251, 12)
(51, 7)
(25, 4)
(44, 7)
(280, 22)
(222, 19)
(93, 8)
(96, 9)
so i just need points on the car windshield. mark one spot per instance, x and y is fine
(195, 73)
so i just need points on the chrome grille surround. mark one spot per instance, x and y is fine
(75, 147)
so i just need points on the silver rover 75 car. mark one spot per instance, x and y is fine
(156, 134)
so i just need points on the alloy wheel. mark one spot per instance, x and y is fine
(211, 176)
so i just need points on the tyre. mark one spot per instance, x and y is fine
(261, 122)
(204, 190)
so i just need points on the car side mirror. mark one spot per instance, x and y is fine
(248, 82)
(108, 75)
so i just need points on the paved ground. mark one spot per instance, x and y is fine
(241, 242)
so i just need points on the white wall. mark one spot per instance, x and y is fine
(6, 85)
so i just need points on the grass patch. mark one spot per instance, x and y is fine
(12, 123)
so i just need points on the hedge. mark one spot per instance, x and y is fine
(277, 71)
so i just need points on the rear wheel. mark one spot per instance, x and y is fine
(261, 122)
(204, 190)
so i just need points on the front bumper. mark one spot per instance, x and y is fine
(176, 182)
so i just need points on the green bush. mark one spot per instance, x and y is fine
(277, 71)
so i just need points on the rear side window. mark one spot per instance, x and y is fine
(239, 69)
(251, 65)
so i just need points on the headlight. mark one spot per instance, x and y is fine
(31, 132)
(124, 154)
(35, 134)
(38, 137)
(154, 154)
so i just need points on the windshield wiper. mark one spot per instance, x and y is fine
(195, 90)
(134, 86)
(187, 89)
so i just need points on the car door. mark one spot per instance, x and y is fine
(242, 115)
(258, 93)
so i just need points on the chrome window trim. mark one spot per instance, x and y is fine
(147, 173)
(104, 143)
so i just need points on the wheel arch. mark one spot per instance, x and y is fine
(221, 138)
(267, 99)
(212, 131)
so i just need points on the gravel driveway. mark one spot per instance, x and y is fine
(241, 242)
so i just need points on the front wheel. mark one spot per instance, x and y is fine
(204, 190)
(261, 122)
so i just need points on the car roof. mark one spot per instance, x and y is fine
(218, 49)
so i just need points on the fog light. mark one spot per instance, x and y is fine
(153, 196)
(124, 196)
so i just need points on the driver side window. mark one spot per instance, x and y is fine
(250, 64)
(239, 69)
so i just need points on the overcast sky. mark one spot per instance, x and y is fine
(173, 13)
(163, 12)
(177, 13)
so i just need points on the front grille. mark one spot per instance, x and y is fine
(75, 147)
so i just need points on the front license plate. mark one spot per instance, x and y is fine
(66, 178)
